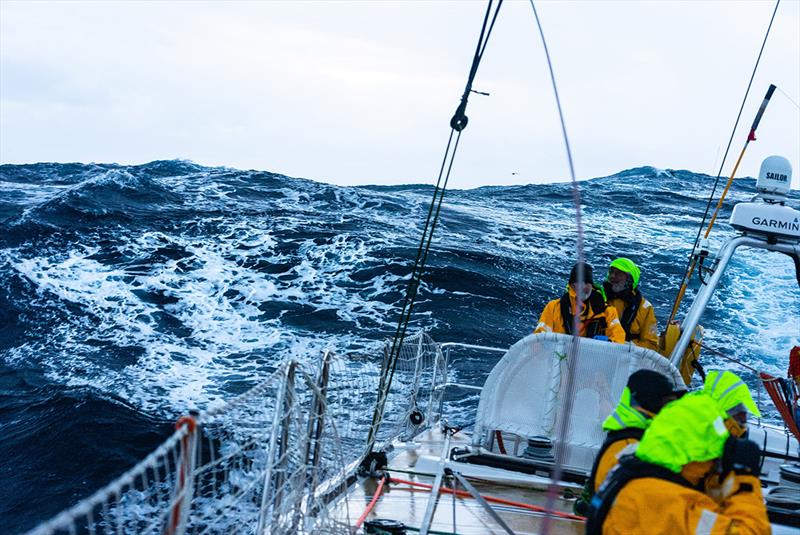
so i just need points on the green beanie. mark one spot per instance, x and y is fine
(690, 429)
(626, 265)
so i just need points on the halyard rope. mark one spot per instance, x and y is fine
(457, 124)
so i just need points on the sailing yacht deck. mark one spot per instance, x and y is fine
(459, 515)
(522, 397)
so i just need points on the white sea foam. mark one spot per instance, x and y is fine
(203, 322)
(216, 300)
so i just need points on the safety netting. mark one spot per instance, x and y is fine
(525, 392)
(414, 396)
(268, 461)
(276, 459)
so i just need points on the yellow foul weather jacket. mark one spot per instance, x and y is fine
(643, 328)
(659, 507)
(552, 319)
(635, 313)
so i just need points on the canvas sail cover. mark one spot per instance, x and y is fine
(525, 392)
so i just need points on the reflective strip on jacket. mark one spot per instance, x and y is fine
(644, 328)
(551, 320)
(625, 415)
(658, 507)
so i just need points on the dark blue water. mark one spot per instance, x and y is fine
(131, 294)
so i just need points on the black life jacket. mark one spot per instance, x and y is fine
(611, 438)
(629, 468)
(593, 327)
(632, 300)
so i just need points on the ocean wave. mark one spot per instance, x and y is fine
(171, 286)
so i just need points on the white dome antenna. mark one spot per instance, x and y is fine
(771, 218)
(774, 179)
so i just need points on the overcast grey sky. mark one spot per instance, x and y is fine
(362, 92)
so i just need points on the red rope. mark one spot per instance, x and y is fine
(371, 503)
(492, 499)
(500, 445)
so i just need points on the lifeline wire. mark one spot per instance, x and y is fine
(687, 271)
(785, 94)
(457, 124)
(566, 408)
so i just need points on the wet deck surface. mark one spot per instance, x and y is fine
(460, 514)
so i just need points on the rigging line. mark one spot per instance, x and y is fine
(790, 98)
(750, 137)
(457, 124)
(419, 265)
(459, 119)
(407, 301)
(491, 27)
(423, 238)
(570, 383)
(687, 272)
(697, 260)
(476, 58)
(414, 290)
(724, 356)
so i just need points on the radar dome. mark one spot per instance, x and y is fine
(775, 177)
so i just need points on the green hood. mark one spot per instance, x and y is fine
(625, 416)
(690, 429)
(729, 390)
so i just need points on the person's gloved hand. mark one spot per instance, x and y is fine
(741, 456)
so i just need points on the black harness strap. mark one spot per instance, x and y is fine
(566, 313)
(630, 314)
(595, 326)
(633, 301)
(628, 469)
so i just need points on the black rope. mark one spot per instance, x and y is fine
(457, 124)
(408, 300)
(459, 120)
(686, 273)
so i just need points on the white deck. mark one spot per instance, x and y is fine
(409, 507)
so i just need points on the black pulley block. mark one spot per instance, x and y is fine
(416, 417)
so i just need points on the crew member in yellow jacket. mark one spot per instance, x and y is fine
(646, 392)
(735, 400)
(654, 491)
(636, 314)
(597, 320)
